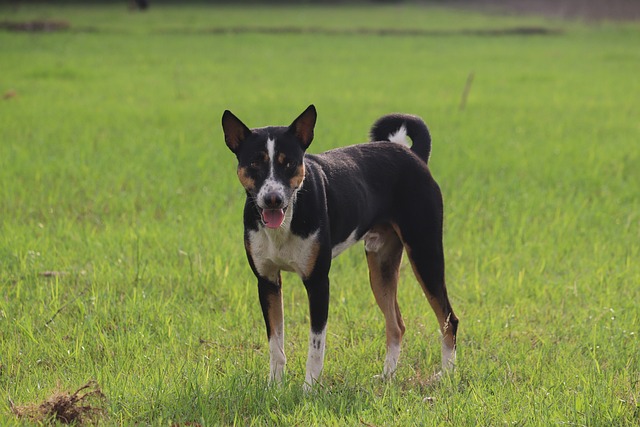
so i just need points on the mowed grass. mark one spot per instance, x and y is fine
(121, 255)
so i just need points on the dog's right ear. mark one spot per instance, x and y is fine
(234, 131)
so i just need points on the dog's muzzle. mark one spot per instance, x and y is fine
(272, 210)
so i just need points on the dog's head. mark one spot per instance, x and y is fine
(270, 161)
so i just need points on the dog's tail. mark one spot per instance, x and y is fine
(396, 127)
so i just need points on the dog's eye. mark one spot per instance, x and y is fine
(290, 165)
(257, 162)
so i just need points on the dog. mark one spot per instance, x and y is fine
(302, 210)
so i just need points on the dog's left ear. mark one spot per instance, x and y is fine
(234, 131)
(302, 127)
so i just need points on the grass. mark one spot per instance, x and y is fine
(120, 242)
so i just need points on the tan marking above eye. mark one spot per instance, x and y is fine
(296, 180)
(246, 181)
(281, 159)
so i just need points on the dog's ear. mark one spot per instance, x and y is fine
(234, 131)
(302, 127)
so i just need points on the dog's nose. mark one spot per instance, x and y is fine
(273, 200)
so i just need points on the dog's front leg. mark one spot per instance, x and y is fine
(318, 293)
(271, 301)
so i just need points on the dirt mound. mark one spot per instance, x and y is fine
(65, 407)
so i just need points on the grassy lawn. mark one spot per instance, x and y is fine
(121, 255)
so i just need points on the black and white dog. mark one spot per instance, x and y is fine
(302, 210)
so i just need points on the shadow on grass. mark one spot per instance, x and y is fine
(241, 399)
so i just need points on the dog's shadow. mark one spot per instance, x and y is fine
(241, 398)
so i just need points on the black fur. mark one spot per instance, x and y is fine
(351, 189)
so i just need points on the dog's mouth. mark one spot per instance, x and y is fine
(273, 218)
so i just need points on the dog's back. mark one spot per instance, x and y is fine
(366, 184)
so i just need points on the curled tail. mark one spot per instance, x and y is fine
(396, 127)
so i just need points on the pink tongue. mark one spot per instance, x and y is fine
(273, 217)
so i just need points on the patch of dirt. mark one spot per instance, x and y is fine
(527, 31)
(10, 94)
(66, 408)
(51, 273)
(588, 10)
(41, 26)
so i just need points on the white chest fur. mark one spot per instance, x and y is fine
(273, 250)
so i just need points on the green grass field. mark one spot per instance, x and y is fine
(121, 255)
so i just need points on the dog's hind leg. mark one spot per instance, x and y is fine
(384, 254)
(423, 243)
